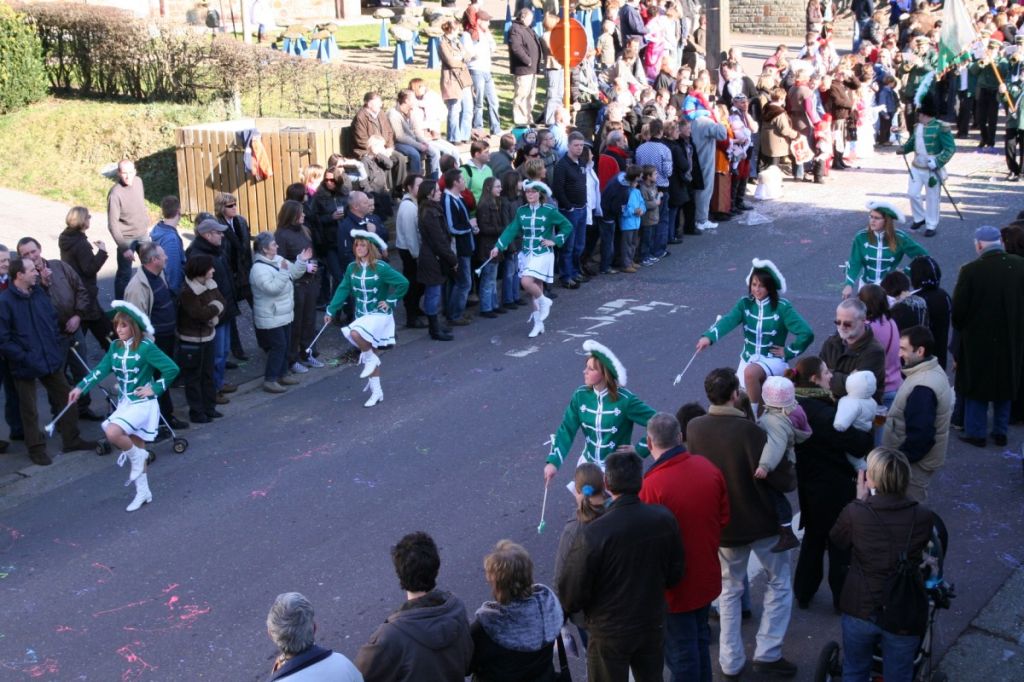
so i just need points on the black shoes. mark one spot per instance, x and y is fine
(779, 668)
(489, 314)
(999, 439)
(198, 418)
(80, 444)
(976, 442)
(176, 423)
(89, 416)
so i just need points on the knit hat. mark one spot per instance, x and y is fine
(886, 208)
(537, 185)
(606, 357)
(131, 310)
(370, 237)
(987, 233)
(778, 392)
(758, 264)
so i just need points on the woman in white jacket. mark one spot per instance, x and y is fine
(273, 307)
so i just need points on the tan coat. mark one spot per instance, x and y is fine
(454, 73)
(776, 131)
(929, 375)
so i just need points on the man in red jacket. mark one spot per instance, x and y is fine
(693, 489)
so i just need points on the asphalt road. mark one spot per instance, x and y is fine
(307, 492)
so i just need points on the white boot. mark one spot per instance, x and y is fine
(538, 326)
(543, 307)
(142, 493)
(371, 361)
(137, 456)
(376, 392)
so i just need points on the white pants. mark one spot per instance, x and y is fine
(778, 604)
(523, 99)
(927, 210)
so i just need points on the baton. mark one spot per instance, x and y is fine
(317, 337)
(51, 425)
(543, 507)
(477, 271)
(679, 377)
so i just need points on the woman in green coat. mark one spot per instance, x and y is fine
(133, 360)
(878, 250)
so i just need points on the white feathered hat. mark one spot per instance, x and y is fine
(607, 358)
(381, 245)
(132, 311)
(537, 185)
(758, 264)
(886, 208)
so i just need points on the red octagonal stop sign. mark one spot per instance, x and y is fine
(577, 43)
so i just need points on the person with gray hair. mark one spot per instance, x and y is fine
(988, 314)
(694, 490)
(853, 348)
(291, 626)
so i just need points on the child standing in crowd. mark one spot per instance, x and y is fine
(606, 45)
(652, 204)
(785, 424)
(632, 212)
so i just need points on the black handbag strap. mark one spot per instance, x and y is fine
(563, 660)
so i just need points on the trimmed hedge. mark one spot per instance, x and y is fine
(22, 79)
(109, 52)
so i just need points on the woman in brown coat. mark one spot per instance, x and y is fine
(199, 310)
(777, 130)
(456, 84)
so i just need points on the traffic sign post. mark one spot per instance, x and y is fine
(568, 47)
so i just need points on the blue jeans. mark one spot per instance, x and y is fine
(607, 228)
(509, 279)
(221, 348)
(976, 417)
(483, 87)
(414, 156)
(460, 116)
(488, 289)
(859, 640)
(569, 255)
(687, 645)
(432, 299)
(275, 343)
(666, 222)
(861, 29)
(459, 288)
(123, 274)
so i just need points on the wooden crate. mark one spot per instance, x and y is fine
(210, 160)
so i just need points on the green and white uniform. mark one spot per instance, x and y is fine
(764, 327)
(369, 286)
(606, 424)
(869, 262)
(137, 416)
(535, 225)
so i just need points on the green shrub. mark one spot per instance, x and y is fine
(22, 80)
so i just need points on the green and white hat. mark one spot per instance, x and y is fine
(886, 208)
(758, 264)
(607, 358)
(537, 185)
(132, 311)
(381, 245)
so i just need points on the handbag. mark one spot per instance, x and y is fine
(782, 477)
(904, 609)
(721, 195)
(564, 674)
(801, 150)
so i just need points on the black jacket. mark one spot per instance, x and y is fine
(222, 274)
(29, 334)
(569, 184)
(678, 188)
(526, 53)
(239, 255)
(619, 568)
(436, 258)
(76, 251)
(322, 206)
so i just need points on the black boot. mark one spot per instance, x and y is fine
(818, 173)
(437, 332)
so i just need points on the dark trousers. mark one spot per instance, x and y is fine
(57, 390)
(200, 391)
(74, 370)
(274, 343)
(607, 237)
(304, 323)
(1014, 150)
(884, 129)
(687, 645)
(689, 217)
(611, 659)
(166, 343)
(964, 113)
(818, 522)
(415, 292)
(101, 329)
(988, 115)
(12, 410)
(123, 274)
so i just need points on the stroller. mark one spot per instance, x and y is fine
(103, 447)
(940, 593)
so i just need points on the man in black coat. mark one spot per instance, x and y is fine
(988, 314)
(210, 240)
(853, 348)
(526, 56)
(617, 573)
(29, 340)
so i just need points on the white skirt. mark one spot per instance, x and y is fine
(772, 366)
(140, 419)
(540, 267)
(377, 328)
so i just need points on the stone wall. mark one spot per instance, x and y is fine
(778, 17)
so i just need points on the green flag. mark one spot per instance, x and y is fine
(957, 33)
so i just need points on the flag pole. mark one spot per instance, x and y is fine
(999, 77)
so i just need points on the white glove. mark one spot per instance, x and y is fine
(932, 165)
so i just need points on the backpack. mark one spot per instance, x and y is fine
(904, 608)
